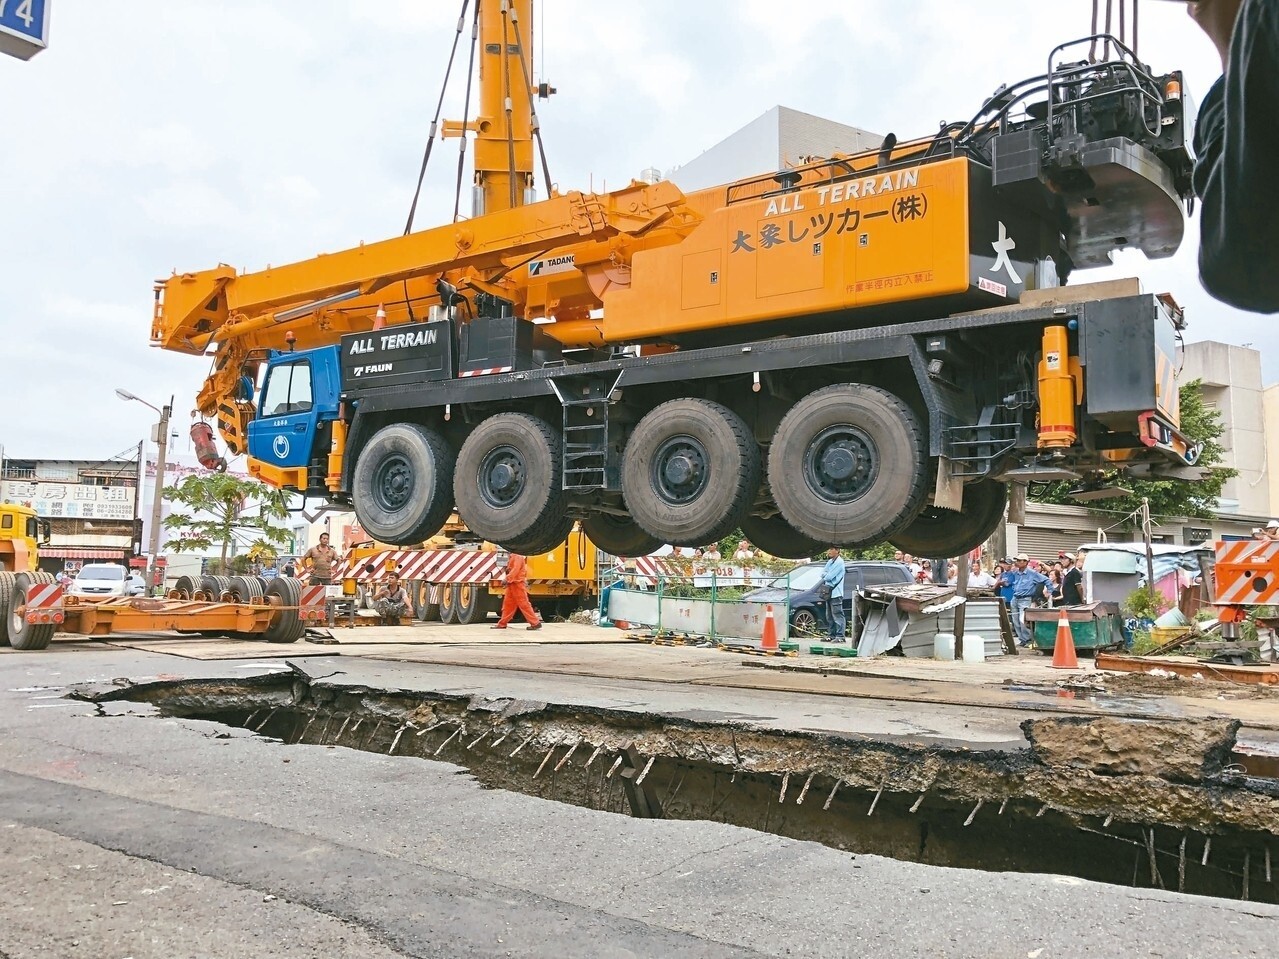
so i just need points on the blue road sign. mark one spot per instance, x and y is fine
(24, 27)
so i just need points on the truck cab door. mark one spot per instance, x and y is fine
(283, 433)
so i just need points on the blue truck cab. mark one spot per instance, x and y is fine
(296, 406)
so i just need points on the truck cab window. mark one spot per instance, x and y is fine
(288, 389)
(6, 522)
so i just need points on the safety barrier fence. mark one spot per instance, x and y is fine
(696, 605)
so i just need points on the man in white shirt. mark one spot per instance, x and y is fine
(978, 578)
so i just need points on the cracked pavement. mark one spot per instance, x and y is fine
(372, 856)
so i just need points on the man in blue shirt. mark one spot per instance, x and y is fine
(833, 577)
(1026, 585)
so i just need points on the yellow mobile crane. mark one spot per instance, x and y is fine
(864, 347)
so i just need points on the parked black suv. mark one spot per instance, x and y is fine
(807, 614)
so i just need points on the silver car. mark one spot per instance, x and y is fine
(101, 579)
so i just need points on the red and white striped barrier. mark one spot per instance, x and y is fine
(313, 605)
(487, 372)
(44, 603)
(445, 566)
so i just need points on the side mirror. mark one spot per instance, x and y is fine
(46, 531)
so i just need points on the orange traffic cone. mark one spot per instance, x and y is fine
(768, 641)
(1064, 649)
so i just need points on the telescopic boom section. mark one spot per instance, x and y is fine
(195, 310)
(503, 130)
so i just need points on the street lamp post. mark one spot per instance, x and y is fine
(162, 443)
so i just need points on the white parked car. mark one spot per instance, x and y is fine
(101, 579)
(137, 585)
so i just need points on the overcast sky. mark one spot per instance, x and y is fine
(174, 134)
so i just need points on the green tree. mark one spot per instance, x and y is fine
(221, 508)
(882, 552)
(1168, 497)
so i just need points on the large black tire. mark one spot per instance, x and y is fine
(448, 605)
(215, 586)
(944, 532)
(619, 535)
(847, 465)
(471, 603)
(246, 589)
(508, 482)
(186, 586)
(778, 538)
(24, 635)
(402, 486)
(426, 605)
(286, 625)
(548, 540)
(690, 472)
(6, 593)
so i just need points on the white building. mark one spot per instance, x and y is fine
(1232, 385)
(779, 139)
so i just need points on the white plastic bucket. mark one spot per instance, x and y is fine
(974, 648)
(944, 646)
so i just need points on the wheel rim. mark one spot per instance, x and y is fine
(502, 476)
(464, 596)
(841, 464)
(679, 471)
(805, 622)
(393, 483)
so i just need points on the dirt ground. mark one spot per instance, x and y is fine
(1145, 684)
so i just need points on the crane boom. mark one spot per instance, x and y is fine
(194, 310)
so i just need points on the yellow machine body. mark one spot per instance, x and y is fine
(19, 538)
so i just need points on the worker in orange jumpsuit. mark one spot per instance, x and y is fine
(517, 594)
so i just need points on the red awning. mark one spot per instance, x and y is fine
(81, 552)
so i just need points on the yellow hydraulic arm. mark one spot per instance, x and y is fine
(255, 311)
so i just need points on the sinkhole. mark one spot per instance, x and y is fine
(1150, 803)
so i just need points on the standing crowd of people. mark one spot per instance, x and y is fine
(1020, 581)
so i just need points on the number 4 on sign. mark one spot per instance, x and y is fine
(23, 12)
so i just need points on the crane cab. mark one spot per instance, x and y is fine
(295, 407)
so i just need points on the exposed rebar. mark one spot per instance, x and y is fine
(973, 815)
(804, 792)
(875, 802)
(647, 766)
(545, 759)
(572, 749)
(457, 732)
(833, 789)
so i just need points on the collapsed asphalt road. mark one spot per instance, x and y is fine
(370, 855)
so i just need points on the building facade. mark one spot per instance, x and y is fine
(91, 505)
(1232, 386)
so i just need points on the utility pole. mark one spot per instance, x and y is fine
(1150, 553)
(139, 486)
(157, 496)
